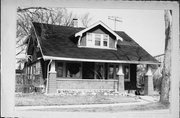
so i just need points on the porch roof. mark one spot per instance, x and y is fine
(60, 43)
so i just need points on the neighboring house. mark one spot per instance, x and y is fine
(160, 58)
(158, 70)
(93, 58)
(20, 60)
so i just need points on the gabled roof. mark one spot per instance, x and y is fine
(60, 43)
(103, 25)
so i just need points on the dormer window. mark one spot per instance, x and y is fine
(97, 40)
(98, 35)
(105, 40)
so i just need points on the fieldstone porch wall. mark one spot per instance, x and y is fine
(86, 84)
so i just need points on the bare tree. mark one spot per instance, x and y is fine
(166, 75)
(55, 16)
(86, 19)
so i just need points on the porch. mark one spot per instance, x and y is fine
(91, 76)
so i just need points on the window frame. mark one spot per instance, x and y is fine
(99, 38)
(80, 70)
(106, 40)
(92, 42)
(96, 70)
(65, 70)
(129, 78)
(56, 68)
(114, 70)
(88, 40)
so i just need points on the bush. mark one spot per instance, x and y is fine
(157, 83)
(28, 83)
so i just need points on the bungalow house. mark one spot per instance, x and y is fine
(93, 58)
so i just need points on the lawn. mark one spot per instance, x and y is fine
(145, 107)
(35, 99)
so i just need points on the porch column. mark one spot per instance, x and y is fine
(52, 79)
(120, 79)
(148, 88)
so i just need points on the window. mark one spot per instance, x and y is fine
(38, 68)
(126, 71)
(105, 40)
(99, 74)
(73, 70)
(59, 69)
(68, 69)
(89, 39)
(97, 40)
(117, 69)
(111, 71)
(34, 69)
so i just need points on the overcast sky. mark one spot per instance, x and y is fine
(146, 27)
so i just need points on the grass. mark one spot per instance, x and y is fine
(34, 99)
(150, 106)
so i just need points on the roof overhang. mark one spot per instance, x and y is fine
(96, 24)
(98, 60)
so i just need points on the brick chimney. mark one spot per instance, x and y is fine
(75, 22)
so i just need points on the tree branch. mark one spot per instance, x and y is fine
(25, 9)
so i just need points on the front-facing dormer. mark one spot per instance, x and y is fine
(98, 36)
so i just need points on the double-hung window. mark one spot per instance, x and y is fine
(97, 40)
(126, 71)
(90, 41)
(59, 69)
(105, 40)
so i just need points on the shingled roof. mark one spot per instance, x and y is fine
(60, 42)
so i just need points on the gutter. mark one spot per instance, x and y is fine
(99, 60)
(47, 83)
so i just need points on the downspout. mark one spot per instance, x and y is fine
(47, 83)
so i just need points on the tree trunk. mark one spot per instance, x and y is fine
(166, 74)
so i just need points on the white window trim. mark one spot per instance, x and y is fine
(93, 41)
(94, 35)
(102, 24)
(97, 47)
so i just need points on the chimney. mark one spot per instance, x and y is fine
(75, 22)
